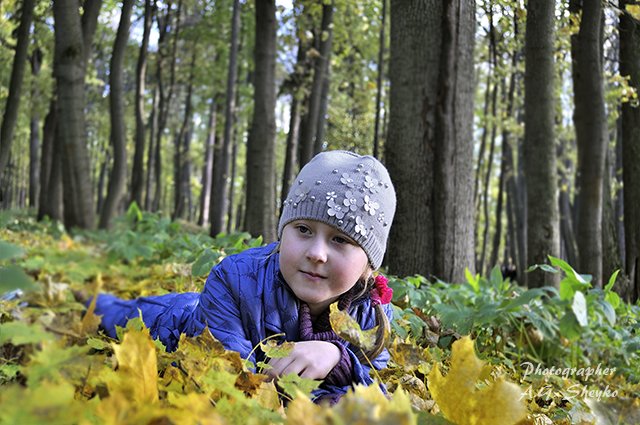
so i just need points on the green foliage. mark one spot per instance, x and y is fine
(55, 367)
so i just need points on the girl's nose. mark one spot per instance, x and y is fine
(317, 251)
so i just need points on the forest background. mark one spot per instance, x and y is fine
(511, 130)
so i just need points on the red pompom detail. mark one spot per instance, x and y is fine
(381, 293)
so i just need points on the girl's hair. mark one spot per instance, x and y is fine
(360, 290)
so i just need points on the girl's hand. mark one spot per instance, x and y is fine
(309, 359)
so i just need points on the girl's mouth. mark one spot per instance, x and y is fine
(313, 275)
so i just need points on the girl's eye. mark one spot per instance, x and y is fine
(303, 229)
(341, 240)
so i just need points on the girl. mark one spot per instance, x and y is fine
(332, 236)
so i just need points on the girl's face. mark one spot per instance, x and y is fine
(319, 262)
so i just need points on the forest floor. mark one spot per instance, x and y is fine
(483, 351)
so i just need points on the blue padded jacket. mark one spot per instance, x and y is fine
(245, 300)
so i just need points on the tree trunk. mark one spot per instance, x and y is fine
(630, 66)
(260, 174)
(429, 139)
(543, 234)
(376, 129)
(182, 172)
(568, 237)
(207, 168)
(151, 168)
(70, 72)
(165, 94)
(590, 123)
(50, 170)
(221, 157)
(307, 143)
(137, 171)
(10, 116)
(296, 81)
(34, 139)
(487, 180)
(611, 260)
(118, 176)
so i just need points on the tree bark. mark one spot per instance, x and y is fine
(207, 168)
(429, 138)
(221, 157)
(69, 69)
(165, 93)
(260, 171)
(590, 123)
(543, 234)
(630, 66)
(50, 203)
(118, 176)
(308, 133)
(381, 48)
(182, 172)
(151, 168)
(10, 116)
(137, 171)
(34, 136)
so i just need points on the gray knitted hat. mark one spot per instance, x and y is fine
(350, 192)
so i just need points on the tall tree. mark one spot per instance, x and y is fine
(630, 66)
(71, 44)
(137, 171)
(10, 116)
(207, 168)
(543, 234)
(117, 178)
(222, 151)
(167, 25)
(34, 136)
(308, 145)
(429, 147)
(182, 147)
(590, 125)
(381, 48)
(260, 217)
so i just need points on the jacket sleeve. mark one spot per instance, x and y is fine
(219, 308)
(166, 316)
(332, 393)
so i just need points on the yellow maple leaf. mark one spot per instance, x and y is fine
(137, 367)
(367, 404)
(348, 329)
(464, 402)
(90, 321)
(634, 10)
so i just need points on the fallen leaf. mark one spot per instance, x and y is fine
(462, 396)
(137, 367)
(348, 329)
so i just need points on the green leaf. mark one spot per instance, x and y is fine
(13, 277)
(613, 299)
(579, 308)
(98, 344)
(612, 280)
(276, 350)
(20, 333)
(569, 326)
(293, 385)
(569, 271)
(566, 289)
(8, 372)
(202, 266)
(608, 311)
(8, 251)
(472, 280)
